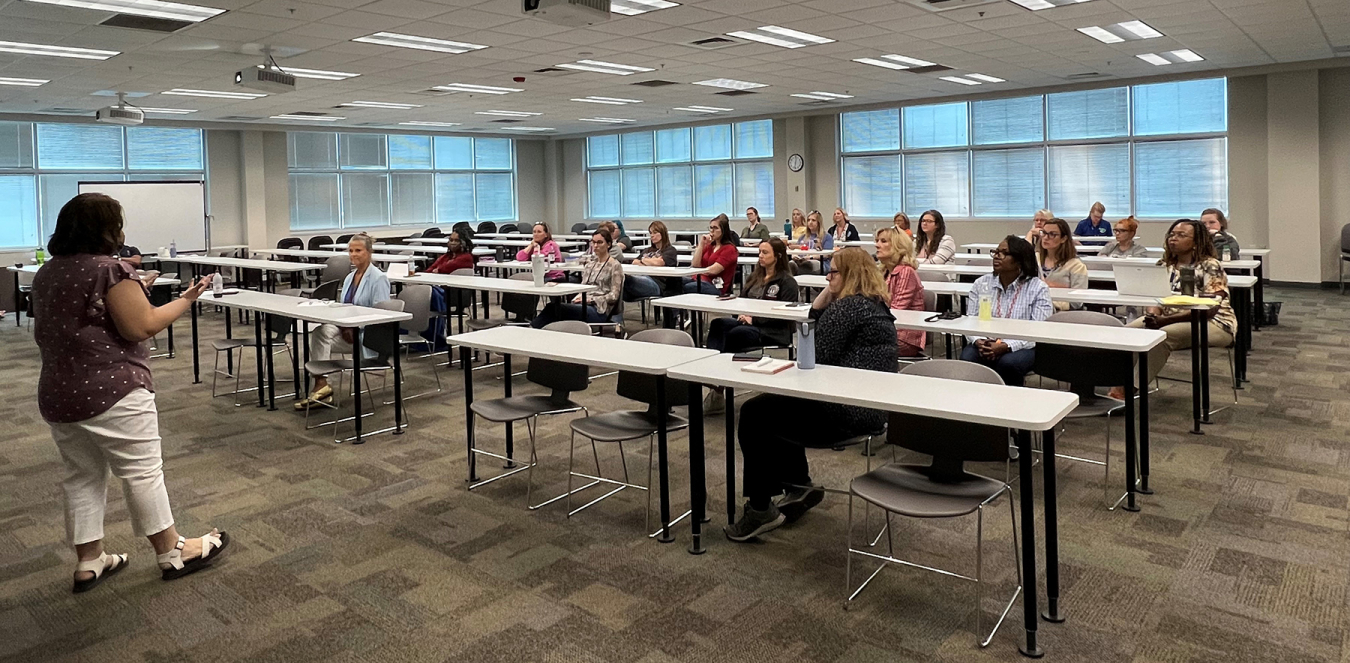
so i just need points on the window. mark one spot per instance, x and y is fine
(41, 166)
(341, 180)
(1154, 151)
(681, 173)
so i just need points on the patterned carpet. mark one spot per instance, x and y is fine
(347, 554)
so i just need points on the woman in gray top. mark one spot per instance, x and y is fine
(1224, 242)
(756, 229)
(1124, 244)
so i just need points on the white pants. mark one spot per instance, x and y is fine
(125, 440)
(326, 340)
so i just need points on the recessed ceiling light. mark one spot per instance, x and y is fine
(308, 118)
(605, 120)
(604, 67)
(778, 36)
(56, 51)
(214, 94)
(958, 79)
(881, 63)
(1186, 55)
(154, 8)
(1037, 5)
(420, 43)
(23, 82)
(613, 101)
(1170, 57)
(508, 113)
(986, 78)
(703, 109)
(1127, 31)
(823, 96)
(1154, 59)
(316, 73)
(635, 7)
(380, 104)
(528, 129)
(730, 84)
(167, 111)
(425, 123)
(913, 62)
(481, 89)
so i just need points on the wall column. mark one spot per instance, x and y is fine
(1294, 187)
(254, 179)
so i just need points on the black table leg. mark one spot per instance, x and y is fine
(196, 359)
(1052, 613)
(18, 301)
(229, 333)
(398, 389)
(698, 328)
(1195, 371)
(472, 458)
(1131, 476)
(1143, 424)
(662, 462)
(1027, 499)
(258, 355)
(305, 337)
(1260, 312)
(510, 427)
(698, 486)
(1204, 365)
(356, 381)
(295, 357)
(271, 373)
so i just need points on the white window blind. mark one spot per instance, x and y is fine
(1007, 183)
(754, 186)
(79, 147)
(937, 180)
(602, 151)
(676, 184)
(454, 197)
(18, 211)
(314, 200)
(492, 154)
(754, 140)
(413, 196)
(712, 143)
(16, 145)
(1176, 179)
(604, 194)
(639, 193)
(1089, 114)
(940, 125)
(871, 131)
(1081, 175)
(312, 150)
(495, 196)
(637, 148)
(712, 190)
(410, 152)
(164, 149)
(365, 199)
(454, 153)
(363, 151)
(872, 185)
(1185, 107)
(1003, 121)
(672, 145)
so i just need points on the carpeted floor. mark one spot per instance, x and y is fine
(378, 553)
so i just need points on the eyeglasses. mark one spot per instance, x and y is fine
(832, 273)
(1052, 234)
(1120, 231)
(999, 253)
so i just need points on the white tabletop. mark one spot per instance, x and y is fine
(305, 253)
(628, 269)
(926, 272)
(247, 263)
(764, 308)
(26, 269)
(517, 286)
(1127, 339)
(522, 242)
(309, 310)
(743, 260)
(975, 402)
(598, 351)
(1099, 262)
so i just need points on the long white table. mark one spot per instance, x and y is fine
(629, 269)
(1017, 408)
(1099, 262)
(294, 269)
(266, 305)
(324, 255)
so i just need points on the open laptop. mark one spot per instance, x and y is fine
(1142, 280)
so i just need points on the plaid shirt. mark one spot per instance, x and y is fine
(1025, 299)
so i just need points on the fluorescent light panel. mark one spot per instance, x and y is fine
(635, 7)
(823, 96)
(309, 118)
(612, 101)
(1127, 31)
(604, 67)
(605, 120)
(426, 123)
(897, 62)
(503, 113)
(958, 79)
(23, 82)
(480, 89)
(56, 51)
(780, 36)
(1037, 5)
(703, 109)
(1170, 57)
(881, 63)
(730, 84)
(528, 129)
(1186, 55)
(319, 74)
(154, 8)
(1154, 59)
(214, 94)
(419, 43)
(167, 111)
(380, 104)
(985, 78)
(913, 62)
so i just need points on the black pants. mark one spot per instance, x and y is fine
(772, 432)
(732, 335)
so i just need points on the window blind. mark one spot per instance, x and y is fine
(1007, 183)
(1179, 179)
(937, 180)
(1084, 174)
(872, 185)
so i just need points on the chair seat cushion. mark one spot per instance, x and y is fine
(515, 408)
(327, 366)
(907, 490)
(623, 426)
(1095, 406)
(478, 324)
(223, 344)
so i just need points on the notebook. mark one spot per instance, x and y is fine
(768, 366)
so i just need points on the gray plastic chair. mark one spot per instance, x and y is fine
(941, 489)
(417, 302)
(278, 331)
(562, 379)
(373, 338)
(519, 309)
(1345, 254)
(625, 425)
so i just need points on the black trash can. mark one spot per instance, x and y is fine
(1271, 315)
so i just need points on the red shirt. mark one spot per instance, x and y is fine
(447, 264)
(724, 255)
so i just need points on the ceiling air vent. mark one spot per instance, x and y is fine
(433, 92)
(933, 69)
(240, 118)
(552, 70)
(948, 5)
(146, 23)
(714, 43)
(734, 93)
(655, 83)
(1085, 75)
(1341, 51)
(308, 113)
(507, 121)
(65, 111)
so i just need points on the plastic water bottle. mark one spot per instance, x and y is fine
(537, 269)
(986, 307)
(806, 345)
(40, 256)
(787, 228)
(1227, 254)
(217, 285)
(173, 249)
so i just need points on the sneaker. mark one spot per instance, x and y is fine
(797, 501)
(714, 403)
(753, 523)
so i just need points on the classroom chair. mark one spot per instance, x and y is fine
(316, 242)
(578, 228)
(278, 332)
(383, 339)
(417, 302)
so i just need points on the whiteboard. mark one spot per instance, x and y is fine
(158, 213)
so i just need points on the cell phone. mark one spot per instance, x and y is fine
(725, 297)
(746, 356)
(798, 305)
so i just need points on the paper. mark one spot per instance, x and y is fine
(1184, 300)
(768, 366)
(397, 270)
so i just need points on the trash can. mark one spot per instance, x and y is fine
(1271, 315)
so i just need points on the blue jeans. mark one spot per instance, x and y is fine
(640, 287)
(555, 312)
(692, 285)
(1012, 367)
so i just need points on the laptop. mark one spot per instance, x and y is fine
(1142, 280)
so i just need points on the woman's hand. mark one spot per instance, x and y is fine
(197, 287)
(576, 299)
(745, 319)
(993, 349)
(704, 240)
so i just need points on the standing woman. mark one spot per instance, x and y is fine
(716, 251)
(541, 241)
(366, 285)
(1038, 224)
(1189, 244)
(814, 239)
(1124, 246)
(1093, 226)
(901, 222)
(603, 271)
(843, 230)
(895, 252)
(95, 391)
(798, 225)
(458, 253)
(936, 247)
(1017, 294)
(1060, 266)
(756, 229)
(854, 329)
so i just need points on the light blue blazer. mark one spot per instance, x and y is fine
(373, 288)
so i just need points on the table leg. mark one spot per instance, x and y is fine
(171, 340)
(356, 381)
(1204, 375)
(1027, 499)
(271, 373)
(1143, 425)
(229, 333)
(305, 337)
(698, 486)
(730, 433)
(1131, 477)
(295, 357)
(196, 359)
(1195, 371)
(510, 427)
(662, 462)
(1260, 291)
(398, 389)
(1052, 613)
(472, 458)
(698, 328)
(18, 301)
(258, 355)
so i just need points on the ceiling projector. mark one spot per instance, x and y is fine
(120, 114)
(265, 80)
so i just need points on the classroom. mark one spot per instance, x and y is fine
(947, 330)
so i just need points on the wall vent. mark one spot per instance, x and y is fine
(714, 43)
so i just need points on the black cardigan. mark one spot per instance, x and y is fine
(856, 332)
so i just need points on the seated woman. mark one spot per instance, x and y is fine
(603, 271)
(458, 253)
(366, 285)
(936, 247)
(1124, 246)
(855, 330)
(541, 241)
(1017, 293)
(659, 253)
(1038, 224)
(895, 252)
(770, 280)
(843, 230)
(901, 223)
(1060, 266)
(756, 228)
(716, 251)
(620, 236)
(1217, 224)
(815, 238)
(1189, 244)
(798, 225)
(1092, 226)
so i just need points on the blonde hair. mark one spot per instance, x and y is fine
(1097, 207)
(364, 239)
(902, 249)
(858, 274)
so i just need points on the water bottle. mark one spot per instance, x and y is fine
(217, 285)
(787, 228)
(162, 252)
(173, 249)
(806, 345)
(1227, 254)
(537, 269)
(40, 256)
(986, 307)
(1188, 281)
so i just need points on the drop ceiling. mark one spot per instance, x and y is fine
(996, 38)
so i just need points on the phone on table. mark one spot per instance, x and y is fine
(945, 315)
(726, 297)
(746, 356)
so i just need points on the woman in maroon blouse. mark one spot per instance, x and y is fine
(458, 255)
(95, 391)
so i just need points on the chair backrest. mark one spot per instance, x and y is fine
(415, 235)
(290, 243)
(487, 227)
(950, 443)
(518, 306)
(336, 268)
(642, 387)
(459, 299)
(562, 377)
(591, 227)
(462, 227)
(509, 228)
(433, 232)
(1345, 238)
(416, 301)
(316, 242)
(279, 326)
(383, 339)
(327, 290)
(1084, 367)
(343, 239)
(578, 228)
